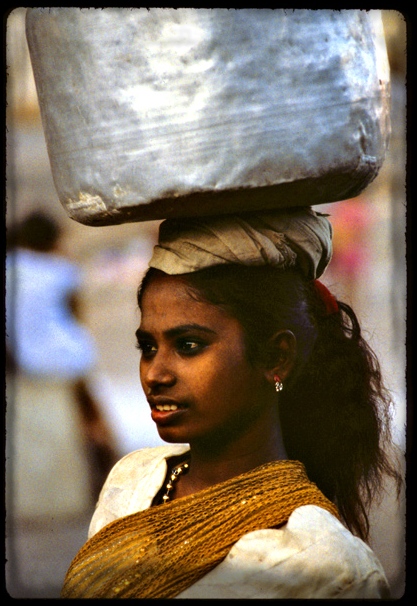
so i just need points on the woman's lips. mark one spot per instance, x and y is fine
(164, 411)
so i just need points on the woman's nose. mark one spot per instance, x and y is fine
(156, 372)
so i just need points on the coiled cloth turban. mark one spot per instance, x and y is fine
(282, 238)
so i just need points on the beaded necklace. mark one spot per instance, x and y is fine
(176, 472)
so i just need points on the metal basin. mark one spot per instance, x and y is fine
(154, 113)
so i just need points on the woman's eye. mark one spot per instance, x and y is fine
(189, 346)
(146, 347)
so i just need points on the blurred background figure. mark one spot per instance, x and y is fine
(62, 447)
(45, 337)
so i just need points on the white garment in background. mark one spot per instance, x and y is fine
(312, 556)
(44, 337)
(47, 469)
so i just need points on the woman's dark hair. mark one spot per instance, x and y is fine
(334, 409)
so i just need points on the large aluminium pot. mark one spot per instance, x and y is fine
(152, 113)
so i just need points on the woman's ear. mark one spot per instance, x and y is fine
(282, 355)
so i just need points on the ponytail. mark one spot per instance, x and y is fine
(335, 414)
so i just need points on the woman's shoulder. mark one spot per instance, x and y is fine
(312, 556)
(333, 561)
(313, 527)
(133, 483)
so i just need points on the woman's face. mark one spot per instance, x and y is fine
(194, 368)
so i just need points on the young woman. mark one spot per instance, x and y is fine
(276, 419)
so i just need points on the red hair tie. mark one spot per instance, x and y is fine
(330, 303)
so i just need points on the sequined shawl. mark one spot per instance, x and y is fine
(159, 552)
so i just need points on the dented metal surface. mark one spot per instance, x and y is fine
(150, 113)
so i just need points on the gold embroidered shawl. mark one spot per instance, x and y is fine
(159, 552)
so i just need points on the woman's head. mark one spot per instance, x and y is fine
(200, 380)
(250, 269)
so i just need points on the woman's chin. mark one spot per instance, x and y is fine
(171, 437)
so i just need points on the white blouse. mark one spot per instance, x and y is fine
(312, 556)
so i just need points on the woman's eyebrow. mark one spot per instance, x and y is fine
(176, 331)
(184, 328)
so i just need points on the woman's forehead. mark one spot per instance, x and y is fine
(165, 286)
(169, 300)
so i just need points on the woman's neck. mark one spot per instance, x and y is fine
(217, 462)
